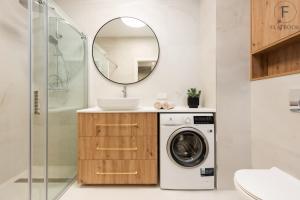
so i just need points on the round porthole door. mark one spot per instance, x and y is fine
(187, 147)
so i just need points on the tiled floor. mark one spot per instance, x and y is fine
(77, 192)
(10, 190)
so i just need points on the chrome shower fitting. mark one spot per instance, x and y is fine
(24, 3)
(83, 36)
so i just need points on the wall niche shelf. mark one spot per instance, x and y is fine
(274, 52)
(280, 59)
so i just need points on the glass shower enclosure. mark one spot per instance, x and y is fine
(58, 89)
(43, 82)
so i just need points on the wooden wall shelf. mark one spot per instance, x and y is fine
(273, 62)
(279, 44)
(275, 52)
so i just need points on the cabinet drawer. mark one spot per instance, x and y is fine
(117, 124)
(111, 148)
(117, 172)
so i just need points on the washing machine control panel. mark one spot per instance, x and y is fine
(203, 120)
(187, 118)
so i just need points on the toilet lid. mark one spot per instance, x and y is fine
(271, 184)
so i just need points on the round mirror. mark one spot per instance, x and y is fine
(125, 50)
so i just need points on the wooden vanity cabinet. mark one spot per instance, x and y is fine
(117, 148)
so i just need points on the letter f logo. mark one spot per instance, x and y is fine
(284, 10)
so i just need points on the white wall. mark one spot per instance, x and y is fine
(207, 50)
(275, 130)
(183, 42)
(14, 90)
(233, 89)
(274, 138)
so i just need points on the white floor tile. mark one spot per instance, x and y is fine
(77, 192)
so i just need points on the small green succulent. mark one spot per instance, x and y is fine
(192, 92)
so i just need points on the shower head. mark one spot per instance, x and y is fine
(24, 3)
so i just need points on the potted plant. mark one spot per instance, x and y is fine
(193, 97)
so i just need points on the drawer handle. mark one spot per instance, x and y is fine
(116, 149)
(117, 173)
(117, 125)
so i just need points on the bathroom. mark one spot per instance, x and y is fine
(55, 85)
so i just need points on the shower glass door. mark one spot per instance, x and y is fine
(67, 83)
(58, 90)
(39, 100)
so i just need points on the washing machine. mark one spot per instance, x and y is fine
(187, 151)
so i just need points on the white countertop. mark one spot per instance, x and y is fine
(142, 109)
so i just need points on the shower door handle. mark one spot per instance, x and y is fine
(36, 103)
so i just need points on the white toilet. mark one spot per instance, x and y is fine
(267, 184)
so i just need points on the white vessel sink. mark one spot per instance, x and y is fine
(129, 103)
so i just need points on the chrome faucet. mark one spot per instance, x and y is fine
(124, 91)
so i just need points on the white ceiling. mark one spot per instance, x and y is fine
(117, 28)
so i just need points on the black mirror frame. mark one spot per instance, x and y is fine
(158, 56)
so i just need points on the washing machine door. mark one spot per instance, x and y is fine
(187, 147)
